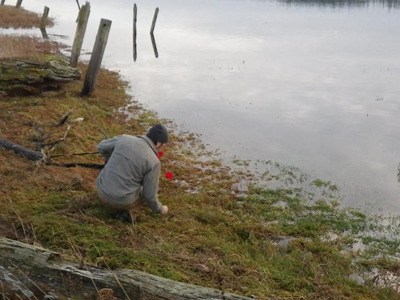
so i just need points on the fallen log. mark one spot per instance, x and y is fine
(20, 78)
(18, 149)
(36, 156)
(31, 272)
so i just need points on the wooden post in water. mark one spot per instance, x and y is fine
(19, 2)
(83, 18)
(97, 56)
(134, 32)
(43, 22)
(153, 24)
(2, 2)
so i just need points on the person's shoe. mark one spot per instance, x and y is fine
(123, 216)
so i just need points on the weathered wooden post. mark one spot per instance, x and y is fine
(134, 31)
(154, 20)
(2, 2)
(43, 22)
(83, 18)
(19, 2)
(97, 56)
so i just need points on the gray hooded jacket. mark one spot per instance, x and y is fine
(132, 163)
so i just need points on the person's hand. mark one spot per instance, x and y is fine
(164, 210)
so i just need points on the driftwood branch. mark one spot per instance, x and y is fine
(77, 164)
(32, 272)
(18, 149)
(64, 119)
(39, 156)
(76, 154)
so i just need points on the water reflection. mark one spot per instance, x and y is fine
(153, 41)
(44, 33)
(134, 32)
(344, 3)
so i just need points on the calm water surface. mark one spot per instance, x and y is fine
(308, 84)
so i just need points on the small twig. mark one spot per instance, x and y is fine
(73, 154)
(64, 119)
(52, 144)
(40, 162)
(55, 143)
(79, 6)
(45, 157)
(66, 132)
(74, 164)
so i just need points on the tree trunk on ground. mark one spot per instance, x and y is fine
(31, 272)
(18, 149)
(36, 156)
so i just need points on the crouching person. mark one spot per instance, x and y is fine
(129, 180)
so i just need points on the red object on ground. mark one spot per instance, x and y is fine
(169, 175)
(160, 154)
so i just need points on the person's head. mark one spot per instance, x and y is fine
(158, 135)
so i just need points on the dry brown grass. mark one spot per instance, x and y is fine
(12, 17)
(24, 46)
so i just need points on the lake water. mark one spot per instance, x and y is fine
(310, 84)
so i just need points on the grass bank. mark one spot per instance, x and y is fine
(269, 243)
